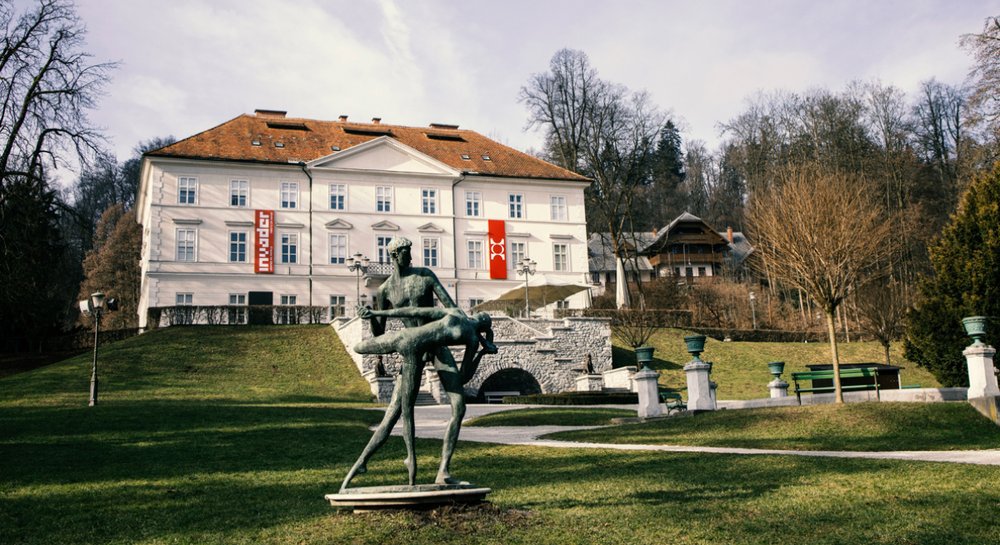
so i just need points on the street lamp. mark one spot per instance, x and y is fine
(526, 267)
(753, 311)
(358, 264)
(94, 306)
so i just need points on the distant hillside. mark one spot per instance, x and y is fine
(264, 364)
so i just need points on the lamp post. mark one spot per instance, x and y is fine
(358, 264)
(94, 306)
(753, 310)
(526, 267)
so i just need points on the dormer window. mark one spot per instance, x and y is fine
(255, 142)
(486, 158)
(465, 157)
(279, 144)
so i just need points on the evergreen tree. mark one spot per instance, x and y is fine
(966, 282)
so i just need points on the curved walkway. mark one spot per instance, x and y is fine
(432, 420)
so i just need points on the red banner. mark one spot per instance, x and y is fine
(498, 250)
(263, 249)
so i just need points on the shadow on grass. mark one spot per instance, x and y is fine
(191, 472)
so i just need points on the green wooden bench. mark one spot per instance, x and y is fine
(861, 372)
(673, 401)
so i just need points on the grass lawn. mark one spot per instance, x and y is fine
(551, 417)
(740, 368)
(215, 435)
(854, 426)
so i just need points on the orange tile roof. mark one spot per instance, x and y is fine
(309, 139)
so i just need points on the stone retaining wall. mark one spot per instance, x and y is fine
(554, 352)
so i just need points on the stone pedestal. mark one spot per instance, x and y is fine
(589, 383)
(699, 386)
(982, 376)
(433, 382)
(649, 393)
(382, 388)
(778, 387)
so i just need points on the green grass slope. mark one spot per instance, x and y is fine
(740, 368)
(247, 364)
(233, 435)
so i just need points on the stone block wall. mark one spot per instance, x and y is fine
(554, 352)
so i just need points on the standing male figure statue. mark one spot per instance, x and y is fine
(409, 286)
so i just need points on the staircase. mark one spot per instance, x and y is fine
(425, 398)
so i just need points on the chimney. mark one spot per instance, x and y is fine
(729, 233)
(270, 113)
(376, 120)
(343, 118)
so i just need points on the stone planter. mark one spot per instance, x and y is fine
(644, 356)
(695, 344)
(776, 368)
(975, 327)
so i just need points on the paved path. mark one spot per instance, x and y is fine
(432, 420)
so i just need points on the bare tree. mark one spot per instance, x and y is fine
(598, 129)
(824, 232)
(47, 86)
(985, 74)
(882, 308)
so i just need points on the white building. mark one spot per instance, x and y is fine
(265, 209)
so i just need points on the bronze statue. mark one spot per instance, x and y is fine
(408, 294)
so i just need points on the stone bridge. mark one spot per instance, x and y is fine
(551, 352)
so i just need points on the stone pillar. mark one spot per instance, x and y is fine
(699, 386)
(778, 387)
(433, 382)
(649, 393)
(382, 388)
(982, 376)
(590, 383)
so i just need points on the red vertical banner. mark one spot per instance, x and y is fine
(498, 250)
(263, 248)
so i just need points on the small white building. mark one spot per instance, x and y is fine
(266, 209)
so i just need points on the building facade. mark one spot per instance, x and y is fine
(265, 209)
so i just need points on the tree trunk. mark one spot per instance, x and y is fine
(885, 352)
(834, 355)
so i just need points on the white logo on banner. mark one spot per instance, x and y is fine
(497, 249)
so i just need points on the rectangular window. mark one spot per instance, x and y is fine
(518, 251)
(382, 248)
(338, 249)
(286, 313)
(289, 194)
(473, 200)
(428, 201)
(431, 252)
(237, 246)
(338, 197)
(383, 198)
(516, 201)
(474, 302)
(237, 315)
(338, 306)
(187, 240)
(701, 271)
(688, 271)
(187, 190)
(239, 193)
(289, 248)
(562, 304)
(560, 257)
(184, 299)
(557, 204)
(475, 248)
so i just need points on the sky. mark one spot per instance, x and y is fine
(187, 65)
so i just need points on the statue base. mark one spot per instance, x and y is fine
(421, 496)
